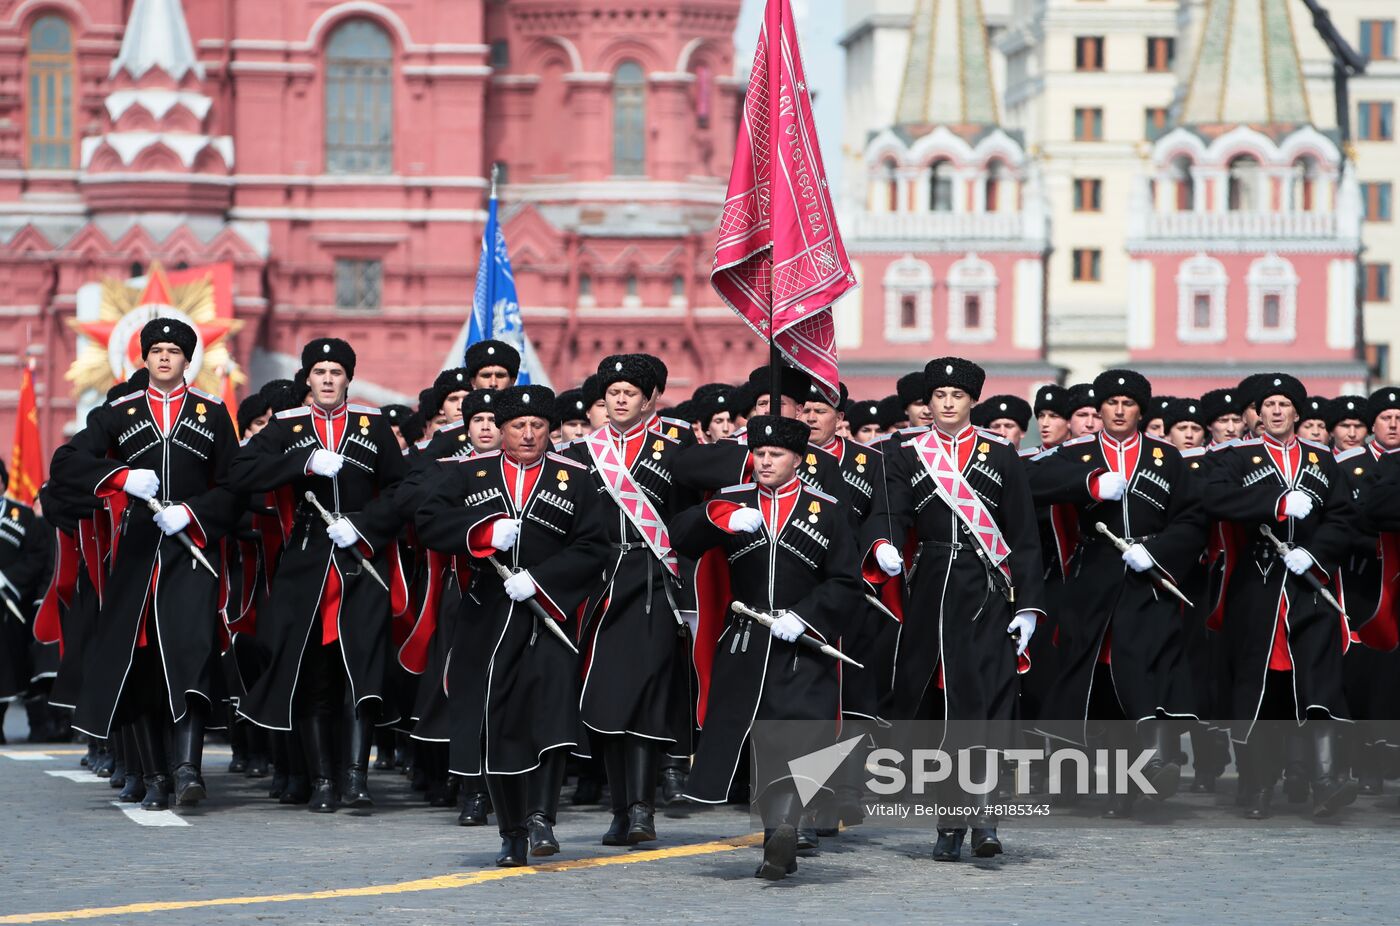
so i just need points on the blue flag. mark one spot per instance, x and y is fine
(495, 306)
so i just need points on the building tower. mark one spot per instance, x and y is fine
(950, 241)
(1244, 230)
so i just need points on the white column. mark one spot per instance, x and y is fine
(1341, 304)
(1027, 321)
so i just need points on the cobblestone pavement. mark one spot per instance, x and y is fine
(69, 854)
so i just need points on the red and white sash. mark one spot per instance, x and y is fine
(629, 497)
(952, 488)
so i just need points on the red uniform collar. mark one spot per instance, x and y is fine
(1275, 444)
(637, 430)
(968, 432)
(786, 490)
(335, 413)
(155, 395)
(1132, 441)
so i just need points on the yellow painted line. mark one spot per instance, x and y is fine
(439, 883)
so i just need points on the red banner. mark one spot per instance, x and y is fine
(27, 459)
(779, 260)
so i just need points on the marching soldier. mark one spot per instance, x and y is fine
(333, 466)
(790, 553)
(1283, 641)
(975, 580)
(630, 702)
(165, 450)
(513, 679)
(1121, 642)
(25, 556)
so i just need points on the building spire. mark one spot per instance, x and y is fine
(947, 76)
(156, 37)
(1247, 70)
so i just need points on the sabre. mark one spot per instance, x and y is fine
(1313, 581)
(879, 605)
(7, 585)
(804, 640)
(353, 551)
(196, 556)
(1164, 581)
(536, 608)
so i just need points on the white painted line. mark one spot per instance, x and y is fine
(26, 756)
(149, 817)
(76, 776)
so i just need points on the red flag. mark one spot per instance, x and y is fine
(779, 260)
(27, 461)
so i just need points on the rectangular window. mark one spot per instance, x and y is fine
(1154, 122)
(1273, 311)
(1378, 282)
(908, 312)
(1375, 121)
(358, 284)
(1087, 193)
(1201, 311)
(1088, 53)
(500, 55)
(972, 312)
(1088, 123)
(1376, 196)
(1087, 265)
(1161, 53)
(1378, 39)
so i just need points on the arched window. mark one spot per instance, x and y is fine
(891, 180)
(1244, 184)
(993, 186)
(50, 94)
(1185, 185)
(359, 100)
(629, 120)
(940, 187)
(1304, 184)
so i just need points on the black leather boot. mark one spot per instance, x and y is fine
(150, 746)
(640, 756)
(542, 788)
(1297, 766)
(615, 762)
(673, 775)
(384, 749)
(361, 729)
(1120, 806)
(238, 744)
(807, 835)
(985, 843)
(134, 789)
(948, 848)
(117, 744)
(781, 811)
(1162, 771)
(1332, 787)
(257, 751)
(471, 804)
(189, 754)
(508, 798)
(317, 740)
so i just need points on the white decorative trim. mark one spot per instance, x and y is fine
(848, 314)
(908, 276)
(1028, 320)
(1272, 275)
(1142, 304)
(375, 10)
(1341, 304)
(1201, 274)
(972, 276)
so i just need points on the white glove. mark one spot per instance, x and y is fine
(1111, 487)
(172, 520)
(326, 463)
(1022, 628)
(1137, 558)
(746, 520)
(520, 586)
(342, 533)
(889, 560)
(142, 483)
(787, 627)
(504, 533)
(1297, 504)
(1298, 561)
